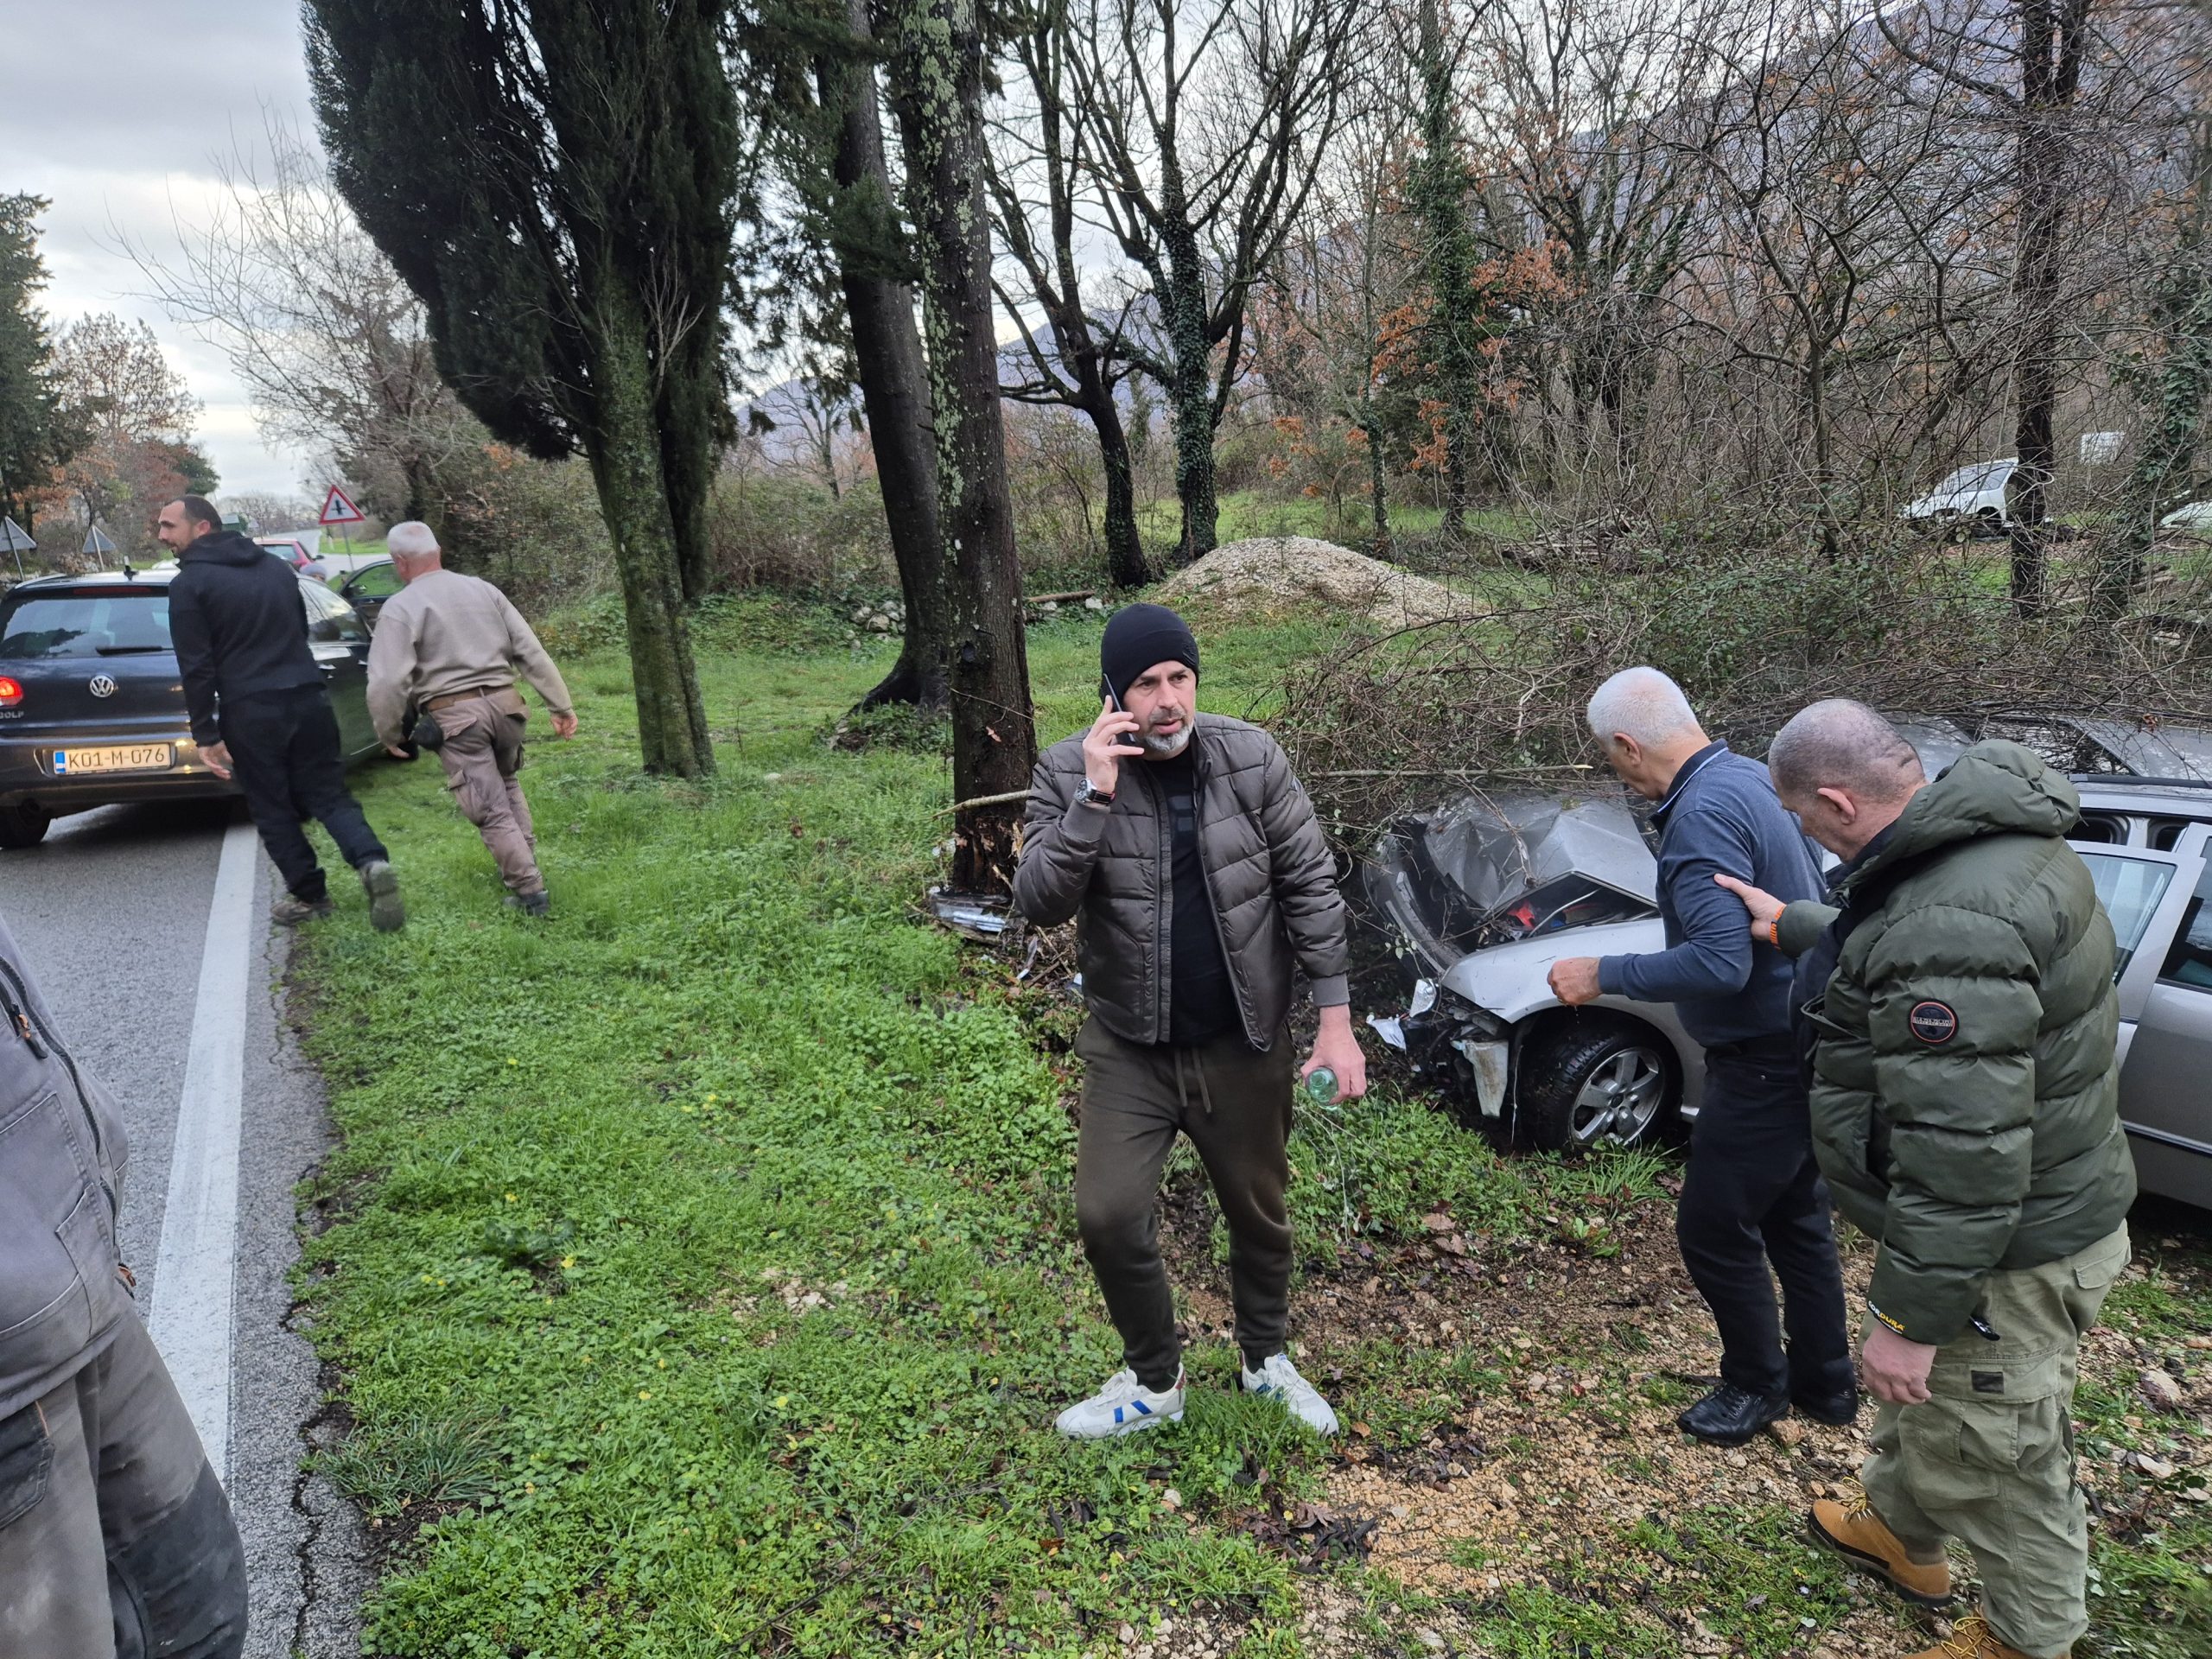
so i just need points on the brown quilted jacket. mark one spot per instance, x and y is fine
(1273, 881)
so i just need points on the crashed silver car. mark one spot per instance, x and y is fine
(1478, 898)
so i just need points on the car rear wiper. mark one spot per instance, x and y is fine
(128, 650)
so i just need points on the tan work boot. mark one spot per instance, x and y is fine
(1857, 1534)
(1971, 1640)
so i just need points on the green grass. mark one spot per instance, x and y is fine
(1263, 512)
(593, 1173)
(702, 1269)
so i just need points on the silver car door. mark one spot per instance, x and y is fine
(2165, 1081)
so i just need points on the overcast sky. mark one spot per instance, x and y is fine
(118, 112)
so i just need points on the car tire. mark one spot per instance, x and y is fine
(23, 825)
(1595, 1080)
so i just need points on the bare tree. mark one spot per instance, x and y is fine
(1571, 100)
(1206, 128)
(331, 344)
(1086, 359)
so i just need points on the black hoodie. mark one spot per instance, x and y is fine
(239, 624)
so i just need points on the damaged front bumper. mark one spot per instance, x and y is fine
(1465, 1051)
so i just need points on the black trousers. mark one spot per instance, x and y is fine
(283, 747)
(1753, 1196)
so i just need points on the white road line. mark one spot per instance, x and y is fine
(193, 1274)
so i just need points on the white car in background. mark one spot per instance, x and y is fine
(2194, 519)
(1969, 502)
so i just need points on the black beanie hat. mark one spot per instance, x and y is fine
(1143, 636)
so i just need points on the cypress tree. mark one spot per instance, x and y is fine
(557, 181)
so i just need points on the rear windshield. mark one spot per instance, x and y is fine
(98, 624)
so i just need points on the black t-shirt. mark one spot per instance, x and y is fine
(1202, 1004)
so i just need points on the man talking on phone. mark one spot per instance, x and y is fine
(1198, 873)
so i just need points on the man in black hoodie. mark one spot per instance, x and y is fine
(240, 628)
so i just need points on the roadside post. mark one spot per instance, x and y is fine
(16, 540)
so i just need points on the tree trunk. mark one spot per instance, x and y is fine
(1378, 483)
(2177, 389)
(1125, 561)
(625, 462)
(1190, 389)
(894, 381)
(937, 87)
(894, 391)
(2050, 46)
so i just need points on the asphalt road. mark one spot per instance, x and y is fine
(113, 912)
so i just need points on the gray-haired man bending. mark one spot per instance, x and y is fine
(452, 645)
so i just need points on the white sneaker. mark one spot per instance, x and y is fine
(1278, 1377)
(1122, 1406)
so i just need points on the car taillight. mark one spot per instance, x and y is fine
(11, 692)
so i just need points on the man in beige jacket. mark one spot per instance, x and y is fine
(450, 645)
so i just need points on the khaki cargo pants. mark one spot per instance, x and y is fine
(482, 752)
(1989, 1461)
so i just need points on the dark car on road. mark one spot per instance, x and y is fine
(92, 701)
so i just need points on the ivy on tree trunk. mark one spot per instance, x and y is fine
(936, 87)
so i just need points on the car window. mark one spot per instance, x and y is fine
(330, 617)
(2129, 889)
(374, 582)
(86, 625)
(2189, 962)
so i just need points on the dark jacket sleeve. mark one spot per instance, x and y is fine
(1713, 958)
(195, 658)
(1059, 846)
(1801, 923)
(1958, 1088)
(1305, 882)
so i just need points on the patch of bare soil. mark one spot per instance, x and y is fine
(1276, 575)
(1570, 1438)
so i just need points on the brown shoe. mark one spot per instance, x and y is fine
(1971, 1639)
(1858, 1534)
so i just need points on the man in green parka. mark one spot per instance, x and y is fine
(1959, 1017)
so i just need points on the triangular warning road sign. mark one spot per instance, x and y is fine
(338, 508)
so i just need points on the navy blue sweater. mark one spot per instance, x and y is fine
(1721, 817)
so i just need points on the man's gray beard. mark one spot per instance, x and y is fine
(1165, 748)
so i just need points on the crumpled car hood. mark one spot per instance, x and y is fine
(1486, 870)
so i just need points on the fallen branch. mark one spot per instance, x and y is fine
(1006, 800)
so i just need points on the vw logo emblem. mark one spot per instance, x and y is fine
(101, 685)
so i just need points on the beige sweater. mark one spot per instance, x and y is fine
(445, 632)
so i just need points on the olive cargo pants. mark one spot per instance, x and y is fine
(1989, 1459)
(1234, 1104)
(482, 754)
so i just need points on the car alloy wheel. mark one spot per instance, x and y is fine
(1622, 1097)
(1592, 1078)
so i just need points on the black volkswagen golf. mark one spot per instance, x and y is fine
(92, 703)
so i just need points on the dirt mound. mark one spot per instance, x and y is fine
(1276, 575)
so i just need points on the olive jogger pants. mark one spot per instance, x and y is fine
(1235, 1103)
(482, 754)
(1989, 1459)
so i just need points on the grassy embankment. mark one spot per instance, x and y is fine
(702, 1267)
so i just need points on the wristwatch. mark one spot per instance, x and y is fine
(1091, 795)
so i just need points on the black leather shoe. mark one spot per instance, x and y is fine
(1730, 1416)
(1836, 1410)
